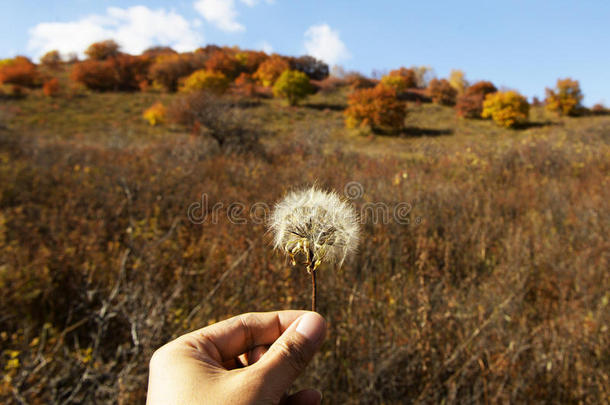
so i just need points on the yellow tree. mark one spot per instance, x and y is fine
(565, 98)
(457, 80)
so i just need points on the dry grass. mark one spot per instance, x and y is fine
(497, 290)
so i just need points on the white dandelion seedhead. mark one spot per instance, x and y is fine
(316, 223)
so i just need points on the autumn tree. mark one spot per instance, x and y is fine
(470, 104)
(167, 69)
(251, 60)
(293, 86)
(441, 92)
(51, 59)
(565, 98)
(19, 71)
(507, 108)
(268, 72)
(457, 80)
(214, 82)
(102, 50)
(224, 62)
(96, 75)
(408, 76)
(377, 108)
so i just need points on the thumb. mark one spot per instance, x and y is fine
(288, 356)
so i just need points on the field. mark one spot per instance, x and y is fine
(492, 288)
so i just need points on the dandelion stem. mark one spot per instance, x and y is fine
(313, 290)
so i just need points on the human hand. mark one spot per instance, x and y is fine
(248, 359)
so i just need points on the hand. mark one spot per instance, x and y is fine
(248, 359)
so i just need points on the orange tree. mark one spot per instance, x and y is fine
(251, 60)
(225, 62)
(51, 59)
(102, 50)
(168, 68)
(409, 76)
(268, 71)
(96, 75)
(377, 108)
(470, 104)
(441, 92)
(19, 71)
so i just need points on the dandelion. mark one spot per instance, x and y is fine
(318, 225)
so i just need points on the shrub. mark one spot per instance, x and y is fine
(218, 118)
(441, 92)
(207, 51)
(599, 109)
(409, 77)
(457, 80)
(470, 104)
(269, 71)
(168, 69)
(377, 108)
(398, 83)
(293, 86)
(121, 72)
(130, 71)
(51, 59)
(251, 60)
(214, 82)
(102, 50)
(506, 108)
(97, 75)
(156, 114)
(51, 88)
(224, 62)
(315, 69)
(357, 81)
(245, 85)
(423, 75)
(565, 98)
(17, 91)
(155, 51)
(330, 84)
(481, 87)
(19, 71)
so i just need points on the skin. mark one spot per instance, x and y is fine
(249, 359)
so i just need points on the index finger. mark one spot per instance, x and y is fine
(228, 339)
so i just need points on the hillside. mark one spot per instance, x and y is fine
(491, 286)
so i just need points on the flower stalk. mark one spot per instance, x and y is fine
(313, 292)
(317, 225)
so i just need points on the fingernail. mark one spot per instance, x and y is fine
(312, 326)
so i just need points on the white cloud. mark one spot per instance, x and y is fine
(265, 47)
(221, 13)
(252, 3)
(323, 42)
(134, 28)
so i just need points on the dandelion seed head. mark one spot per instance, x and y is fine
(316, 223)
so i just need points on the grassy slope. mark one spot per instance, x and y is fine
(496, 290)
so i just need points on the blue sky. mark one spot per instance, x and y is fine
(525, 45)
